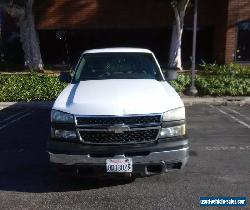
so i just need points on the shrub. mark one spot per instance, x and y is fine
(214, 85)
(29, 87)
(44, 87)
(233, 69)
(181, 83)
(223, 85)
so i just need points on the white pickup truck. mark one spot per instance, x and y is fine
(118, 115)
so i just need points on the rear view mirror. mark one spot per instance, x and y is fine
(65, 77)
(170, 74)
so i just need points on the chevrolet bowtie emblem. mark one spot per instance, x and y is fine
(119, 128)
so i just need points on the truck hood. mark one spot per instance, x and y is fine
(118, 97)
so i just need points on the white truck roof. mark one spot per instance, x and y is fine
(118, 49)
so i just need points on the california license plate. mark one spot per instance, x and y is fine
(122, 165)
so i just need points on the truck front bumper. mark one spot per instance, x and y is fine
(147, 160)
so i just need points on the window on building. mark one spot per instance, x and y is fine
(243, 42)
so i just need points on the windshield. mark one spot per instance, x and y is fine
(100, 66)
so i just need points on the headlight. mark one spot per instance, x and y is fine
(63, 134)
(170, 129)
(61, 117)
(174, 115)
(179, 130)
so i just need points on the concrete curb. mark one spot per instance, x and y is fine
(188, 101)
(240, 101)
(27, 105)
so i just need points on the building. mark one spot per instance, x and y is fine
(67, 27)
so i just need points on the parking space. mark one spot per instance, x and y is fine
(219, 166)
(10, 116)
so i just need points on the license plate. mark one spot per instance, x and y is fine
(119, 165)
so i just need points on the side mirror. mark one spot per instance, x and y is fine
(65, 77)
(170, 74)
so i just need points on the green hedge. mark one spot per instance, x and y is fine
(29, 87)
(232, 69)
(218, 80)
(215, 85)
(44, 87)
(222, 85)
(181, 83)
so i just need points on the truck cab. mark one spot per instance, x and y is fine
(118, 115)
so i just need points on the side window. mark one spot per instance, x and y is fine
(243, 42)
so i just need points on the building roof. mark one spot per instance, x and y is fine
(118, 49)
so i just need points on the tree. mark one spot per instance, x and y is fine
(22, 10)
(179, 7)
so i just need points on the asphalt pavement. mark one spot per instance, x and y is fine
(218, 166)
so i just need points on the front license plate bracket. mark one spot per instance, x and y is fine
(119, 165)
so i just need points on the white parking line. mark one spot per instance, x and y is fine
(12, 116)
(235, 112)
(228, 148)
(231, 116)
(15, 120)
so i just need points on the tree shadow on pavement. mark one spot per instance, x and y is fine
(41, 179)
(24, 162)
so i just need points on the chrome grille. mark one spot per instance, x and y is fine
(130, 120)
(118, 129)
(106, 137)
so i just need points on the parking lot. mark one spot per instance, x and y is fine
(219, 166)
